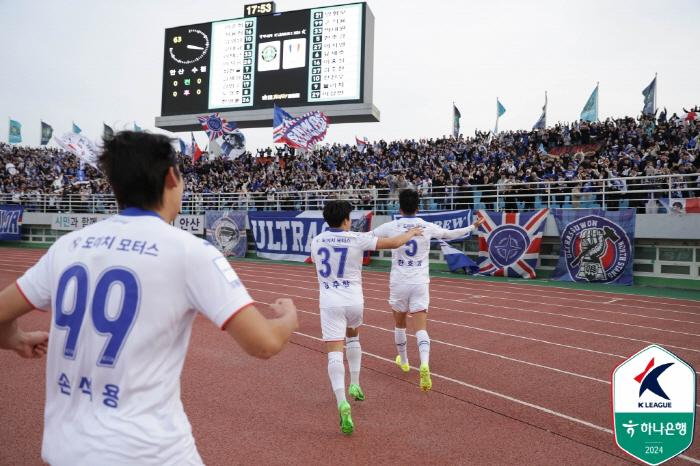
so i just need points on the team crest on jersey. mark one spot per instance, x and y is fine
(225, 234)
(597, 249)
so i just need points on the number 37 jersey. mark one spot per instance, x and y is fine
(338, 255)
(124, 293)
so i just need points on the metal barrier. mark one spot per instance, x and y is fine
(581, 194)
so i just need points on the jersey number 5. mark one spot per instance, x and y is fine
(117, 327)
(326, 271)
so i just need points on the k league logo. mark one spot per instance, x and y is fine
(597, 249)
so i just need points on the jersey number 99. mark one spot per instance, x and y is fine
(117, 327)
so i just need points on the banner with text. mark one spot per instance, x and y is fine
(11, 222)
(597, 246)
(563, 150)
(449, 220)
(288, 235)
(75, 221)
(226, 231)
(192, 223)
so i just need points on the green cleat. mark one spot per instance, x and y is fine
(425, 383)
(404, 367)
(346, 424)
(356, 392)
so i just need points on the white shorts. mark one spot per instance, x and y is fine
(335, 320)
(412, 298)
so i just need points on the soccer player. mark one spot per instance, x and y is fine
(409, 279)
(337, 258)
(124, 293)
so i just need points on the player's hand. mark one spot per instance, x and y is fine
(416, 231)
(284, 307)
(479, 222)
(33, 345)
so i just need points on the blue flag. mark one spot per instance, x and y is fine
(455, 126)
(137, 128)
(500, 110)
(184, 148)
(107, 133)
(649, 94)
(15, 132)
(542, 122)
(76, 129)
(590, 110)
(46, 133)
(456, 259)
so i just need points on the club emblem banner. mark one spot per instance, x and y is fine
(597, 246)
(449, 220)
(509, 245)
(11, 222)
(288, 235)
(226, 231)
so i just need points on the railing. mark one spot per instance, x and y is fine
(532, 195)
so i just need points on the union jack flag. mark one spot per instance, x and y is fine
(215, 126)
(302, 132)
(509, 243)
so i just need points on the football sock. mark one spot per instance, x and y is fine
(423, 346)
(353, 351)
(400, 339)
(336, 372)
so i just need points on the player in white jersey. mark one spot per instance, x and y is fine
(409, 280)
(124, 293)
(337, 257)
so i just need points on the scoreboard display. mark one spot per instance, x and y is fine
(297, 58)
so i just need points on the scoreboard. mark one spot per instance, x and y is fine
(307, 58)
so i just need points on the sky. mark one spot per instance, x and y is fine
(90, 62)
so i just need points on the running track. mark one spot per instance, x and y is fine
(521, 375)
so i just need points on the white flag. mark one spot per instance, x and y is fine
(80, 146)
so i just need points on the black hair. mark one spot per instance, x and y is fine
(135, 164)
(335, 212)
(408, 201)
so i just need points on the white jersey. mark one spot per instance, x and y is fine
(124, 293)
(338, 258)
(409, 263)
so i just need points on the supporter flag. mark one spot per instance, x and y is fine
(233, 143)
(500, 110)
(455, 121)
(649, 94)
(299, 133)
(15, 132)
(137, 128)
(510, 243)
(361, 143)
(80, 146)
(196, 151)
(597, 246)
(690, 116)
(542, 149)
(456, 259)
(590, 110)
(185, 149)
(215, 126)
(76, 129)
(46, 133)
(681, 206)
(542, 122)
(107, 133)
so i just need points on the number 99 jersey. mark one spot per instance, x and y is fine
(124, 293)
(338, 258)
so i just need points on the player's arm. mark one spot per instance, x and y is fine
(398, 241)
(456, 233)
(27, 344)
(262, 337)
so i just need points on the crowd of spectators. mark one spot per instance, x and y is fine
(514, 167)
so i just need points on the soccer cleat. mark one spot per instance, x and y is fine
(356, 392)
(425, 383)
(346, 424)
(404, 367)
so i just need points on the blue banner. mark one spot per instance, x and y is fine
(590, 110)
(46, 133)
(299, 133)
(649, 94)
(11, 222)
(226, 231)
(15, 132)
(597, 246)
(448, 219)
(288, 235)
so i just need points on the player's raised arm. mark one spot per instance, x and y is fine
(400, 240)
(456, 233)
(261, 337)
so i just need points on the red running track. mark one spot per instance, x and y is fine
(521, 375)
